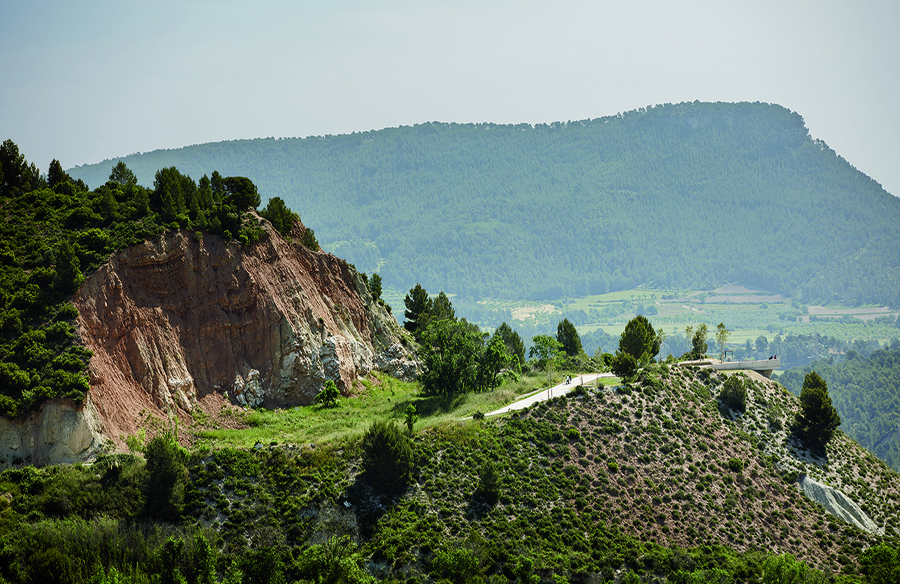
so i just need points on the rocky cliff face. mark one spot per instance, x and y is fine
(176, 318)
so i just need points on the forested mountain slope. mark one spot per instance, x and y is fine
(864, 390)
(693, 194)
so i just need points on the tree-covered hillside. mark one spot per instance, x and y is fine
(865, 392)
(54, 232)
(690, 195)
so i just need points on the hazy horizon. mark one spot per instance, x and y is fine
(101, 79)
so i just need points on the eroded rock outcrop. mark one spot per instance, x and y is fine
(838, 504)
(175, 318)
(60, 431)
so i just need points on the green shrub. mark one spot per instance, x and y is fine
(329, 395)
(817, 420)
(411, 418)
(785, 569)
(308, 240)
(579, 391)
(457, 564)
(881, 564)
(624, 365)
(387, 458)
(734, 392)
(67, 312)
(489, 481)
(166, 477)
(336, 560)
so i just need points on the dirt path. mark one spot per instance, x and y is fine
(551, 392)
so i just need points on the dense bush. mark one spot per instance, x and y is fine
(881, 564)
(166, 477)
(387, 458)
(489, 481)
(279, 215)
(624, 365)
(734, 392)
(334, 562)
(309, 241)
(329, 394)
(639, 339)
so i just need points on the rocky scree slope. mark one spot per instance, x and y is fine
(182, 316)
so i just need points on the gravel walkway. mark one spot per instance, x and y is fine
(552, 392)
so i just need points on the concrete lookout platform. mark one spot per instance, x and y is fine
(764, 367)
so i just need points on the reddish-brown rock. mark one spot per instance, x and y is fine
(175, 318)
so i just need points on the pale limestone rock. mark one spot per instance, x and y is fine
(59, 432)
(838, 504)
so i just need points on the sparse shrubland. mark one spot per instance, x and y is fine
(648, 480)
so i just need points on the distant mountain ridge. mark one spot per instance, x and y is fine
(684, 195)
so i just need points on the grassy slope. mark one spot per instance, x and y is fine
(382, 398)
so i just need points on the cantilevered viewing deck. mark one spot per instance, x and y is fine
(764, 367)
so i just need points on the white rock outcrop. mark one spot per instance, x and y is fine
(59, 432)
(838, 504)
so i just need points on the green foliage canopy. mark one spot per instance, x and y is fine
(624, 365)
(418, 305)
(450, 351)
(329, 394)
(279, 215)
(698, 341)
(639, 339)
(568, 337)
(166, 477)
(817, 419)
(734, 392)
(513, 342)
(387, 457)
(546, 350)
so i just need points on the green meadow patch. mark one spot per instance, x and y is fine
(383, 398)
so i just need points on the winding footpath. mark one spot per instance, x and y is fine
(545, 394)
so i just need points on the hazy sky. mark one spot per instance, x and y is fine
(89, 80)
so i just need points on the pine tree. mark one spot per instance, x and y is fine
(639, 339)
(122, 174)
(418, 305)
(568, 336)
(375, 286)
(513, 342)
(817, 419)
(442, 308)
